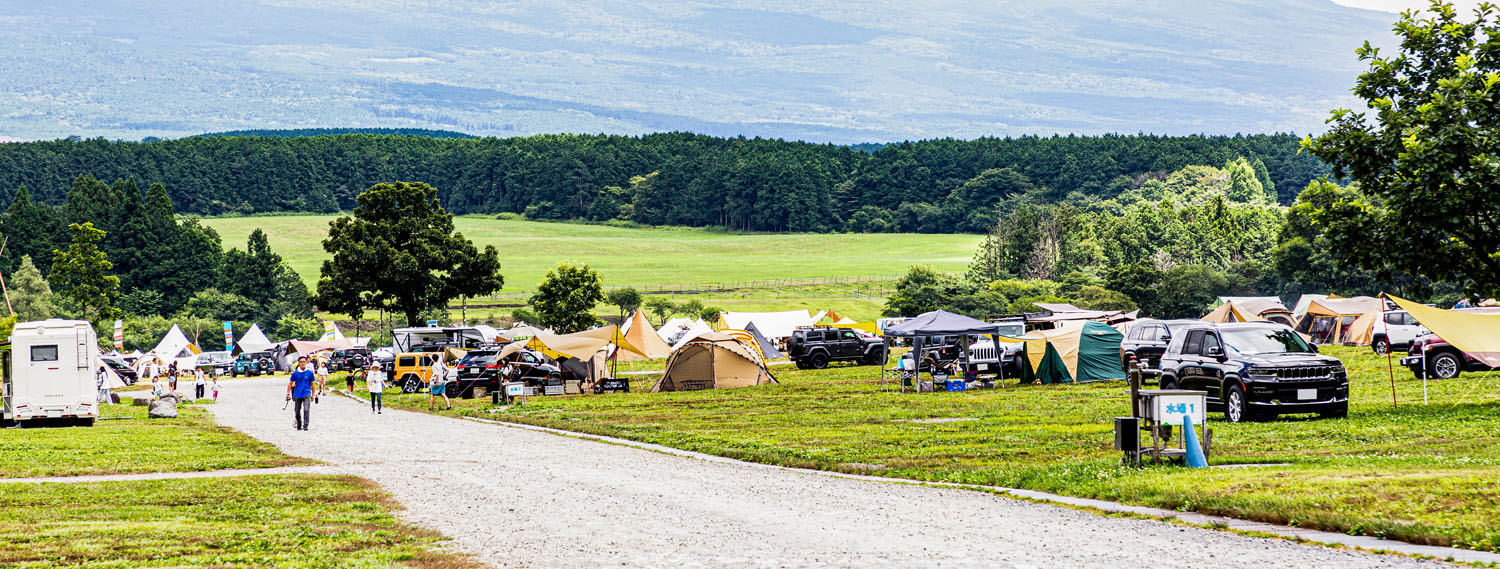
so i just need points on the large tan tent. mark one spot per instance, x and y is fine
(639, 333)
(713, 360)
(1329, 320)
(1231, 312)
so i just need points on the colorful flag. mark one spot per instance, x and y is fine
(120, 336)
(228, 336)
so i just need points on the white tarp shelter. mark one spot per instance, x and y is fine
(772, 324)
(176, 346)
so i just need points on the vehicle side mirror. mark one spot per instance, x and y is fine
(1314, 348)
(1214, 352)
(1164, 338)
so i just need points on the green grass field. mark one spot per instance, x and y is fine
(125, 441)
(1420, 473)
(252, 521)
(635, 257)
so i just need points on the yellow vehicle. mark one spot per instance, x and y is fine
(413, 371)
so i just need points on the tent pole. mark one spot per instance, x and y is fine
(1390, 368)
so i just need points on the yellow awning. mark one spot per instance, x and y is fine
(1476, 334)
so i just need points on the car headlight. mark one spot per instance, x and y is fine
(1258, 372)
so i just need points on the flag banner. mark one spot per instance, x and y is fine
(228, 336)
(120, 336)
(330, 331)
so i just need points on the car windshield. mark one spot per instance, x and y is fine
(1013, 330)
(1264, 341)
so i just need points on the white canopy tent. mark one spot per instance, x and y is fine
(176, 346)
(253, 341)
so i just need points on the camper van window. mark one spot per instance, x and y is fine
(44, 353)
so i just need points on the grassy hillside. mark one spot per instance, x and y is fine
(639, 257)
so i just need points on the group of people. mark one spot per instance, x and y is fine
(163, 379)
(309, 381)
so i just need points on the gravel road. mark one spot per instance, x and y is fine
(519, 498)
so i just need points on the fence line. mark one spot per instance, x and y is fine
(731, 286)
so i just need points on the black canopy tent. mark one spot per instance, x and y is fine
(937, 323)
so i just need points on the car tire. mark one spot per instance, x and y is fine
(232, 374)
(410, 384)
(1339, 413)
(817, 361)
(875, 358)
(1381, 346)
(1236, 407)
(1446, 365)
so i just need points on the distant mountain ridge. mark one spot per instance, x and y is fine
(297, 132)
(835, 71)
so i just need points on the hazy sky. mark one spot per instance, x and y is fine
(1464, 6)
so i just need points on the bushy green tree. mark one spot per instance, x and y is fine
(30, 229)
(140, 302)
(626, 299)
(1423, 160)
(400, 250)
(219, 306)
(30, 295)
(293, 328)
(565, 299)
(1188, 290)
(83, 272)
(662, 307)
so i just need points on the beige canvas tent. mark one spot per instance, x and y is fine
(713, 360)
(639, 333)
(1329, 320)
(1232, 312)
(1268, 308)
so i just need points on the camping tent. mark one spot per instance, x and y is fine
(176, 346)
(591, 346)
(767, 349)
(1328, 320)
(638, 333)
(1268, 308)
(1303, 302)
(1087, 352)
(253, 341)
(697, 328)
(672, 327)
(713, 360)
(1232, 312)
(772, 324)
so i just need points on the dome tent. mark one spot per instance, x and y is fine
(1090, 352)
(713, 360)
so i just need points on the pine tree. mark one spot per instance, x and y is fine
(83, 272)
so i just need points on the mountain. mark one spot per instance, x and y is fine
(834, 71)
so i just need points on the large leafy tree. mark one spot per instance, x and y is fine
(564, 301)
(400, 250)
(1427, 161)
(626, 299)
(83, 273)
(29, 293)
(257, 273)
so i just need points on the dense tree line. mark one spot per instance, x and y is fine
(659, 179)
(165, 267)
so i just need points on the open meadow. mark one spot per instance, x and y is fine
(1418, 473)
(645, 257)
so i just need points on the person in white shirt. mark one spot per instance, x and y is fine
(375, 382)
(198, 383)
(439, 382)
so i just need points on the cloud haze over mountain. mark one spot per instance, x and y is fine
(821, 71)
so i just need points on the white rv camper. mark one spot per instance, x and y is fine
(50, 372)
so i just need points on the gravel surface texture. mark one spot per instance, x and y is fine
(520, 498)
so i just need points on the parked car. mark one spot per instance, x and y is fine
(1436, 358)
(350, 359)
(253, 364)
(985, 357)
(1395, 330)
(215, 363)
(413, 371)
(478, 368)
(1255, 369)
(122, 369)
(814, 347)
(533, 368)
(1147, 340)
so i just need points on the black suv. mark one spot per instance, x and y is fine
(478, 368)
(350, 359)
(1255, 369)
(815, 347)
(1147, 340)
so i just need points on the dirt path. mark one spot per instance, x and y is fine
(520, 498)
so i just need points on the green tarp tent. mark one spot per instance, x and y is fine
(1090, 352)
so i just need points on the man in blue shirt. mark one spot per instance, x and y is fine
(300, 391)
